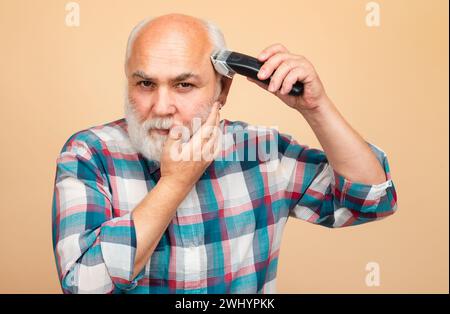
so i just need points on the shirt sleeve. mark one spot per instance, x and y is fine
(320, 195)
(94, 251)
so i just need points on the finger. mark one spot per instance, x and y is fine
(294, 76)
(217, 148)
(217, 139)
(212, 130)
(197, 122)
(271, 50)
(218, 116)
(175, 135)
(210, 147)
(207, 149)
(173, 142)
(186, 151)
(213, 114)
(208, 130)
(272, 64)
(211, 121)
(280, 73)
(204, 132)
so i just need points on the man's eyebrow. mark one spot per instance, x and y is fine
(178, 78)
(142, 75)
(185, 76)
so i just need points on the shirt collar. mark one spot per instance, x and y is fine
(152, 165)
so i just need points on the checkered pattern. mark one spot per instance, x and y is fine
(226, 234)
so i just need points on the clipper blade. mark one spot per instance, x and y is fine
(218, 59)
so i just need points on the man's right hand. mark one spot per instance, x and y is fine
(184, 163)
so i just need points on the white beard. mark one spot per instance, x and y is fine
(150, 145)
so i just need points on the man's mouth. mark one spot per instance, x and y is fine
(159, 131)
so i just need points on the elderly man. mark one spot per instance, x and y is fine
(129, 217)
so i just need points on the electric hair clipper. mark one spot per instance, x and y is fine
(229, 63)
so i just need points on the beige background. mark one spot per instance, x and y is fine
(390, 82)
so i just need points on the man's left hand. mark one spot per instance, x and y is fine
(286, 69)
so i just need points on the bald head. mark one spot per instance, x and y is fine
(179, 28)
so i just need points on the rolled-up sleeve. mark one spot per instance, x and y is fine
(320, 195)
(94, 251)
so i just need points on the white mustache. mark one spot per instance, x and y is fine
(158, 123)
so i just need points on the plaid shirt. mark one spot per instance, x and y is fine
(225, 236)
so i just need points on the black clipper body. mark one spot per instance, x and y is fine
(229, 63)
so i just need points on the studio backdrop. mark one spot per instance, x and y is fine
(383, 63)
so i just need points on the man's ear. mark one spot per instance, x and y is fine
(225, 83)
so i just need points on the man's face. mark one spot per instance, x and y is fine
(170, 82)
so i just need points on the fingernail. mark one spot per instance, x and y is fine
(262, 73)
(262, 56)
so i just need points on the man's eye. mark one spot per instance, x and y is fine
(145, 83)
(185, 85)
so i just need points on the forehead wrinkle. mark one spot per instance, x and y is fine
(166, 58)
(154, 63)
(171, 51)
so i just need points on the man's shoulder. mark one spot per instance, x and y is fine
(100, 136)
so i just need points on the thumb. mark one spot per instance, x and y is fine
(172, 144)
(174, 134)
(173, 137)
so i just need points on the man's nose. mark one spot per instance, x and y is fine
(163, 104)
